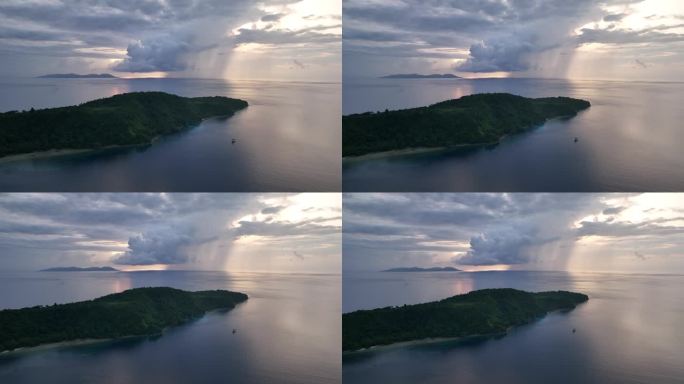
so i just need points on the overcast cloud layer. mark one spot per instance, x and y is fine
(299, 233)
(194, 38)
(546, 38)
(611, 232)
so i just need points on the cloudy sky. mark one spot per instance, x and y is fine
(574, 232)
(234, 39)
(232, 232)
(579, 39)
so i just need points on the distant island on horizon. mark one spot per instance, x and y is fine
(477, 313)
(127, 119)
(135, 312)
(419, 76)
(80, 269)
(77, 76)
(478, 119)
(418, 269)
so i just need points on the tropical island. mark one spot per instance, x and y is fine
(419, 76)
(77, 76)
(418, 269)
(135, 312)
(471, 120)
(127, 119)
(80, 269)
(483, 312)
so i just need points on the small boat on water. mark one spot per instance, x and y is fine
(576, 139)
(233, 141)
(234, 331)
(573, 330)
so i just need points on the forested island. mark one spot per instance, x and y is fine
(80, 269)
(77, 76)
(418, 269)
(135, 312)
(470, 120)
(419, 76)
(483, 312)
(127, 119)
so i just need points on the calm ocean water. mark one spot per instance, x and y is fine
(288, 139)
(628, 332)
(629, 140)
(287, 332)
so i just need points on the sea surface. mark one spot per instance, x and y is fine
(629, 140)
(630, 331)
(288, 331)
(288, 139)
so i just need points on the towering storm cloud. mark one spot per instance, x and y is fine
(500, 246)
(208, 38)
(523, 38)
(519, 231)
(161, 54)
(161, 246)
(195, 231)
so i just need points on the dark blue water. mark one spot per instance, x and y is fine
(287, 332)
(288, 139)
(629, 140)
(628, 332)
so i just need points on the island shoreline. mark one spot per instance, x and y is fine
(55, 153)
(125, 120)
(434, 340)
(485, 312)
(407, 152)
(425, 341)
(81, 342)
(480, 119)
(141, 312)
(411, 152)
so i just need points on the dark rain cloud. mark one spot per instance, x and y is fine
(285, 229)
(652, 35)
(615, 17)
(273, 17)
(272, 210)
(613, 210)
(655, 227)
(307, 35)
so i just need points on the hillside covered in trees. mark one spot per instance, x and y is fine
(125, 119)
(483, 312)
(135, 312)
(475, 119)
